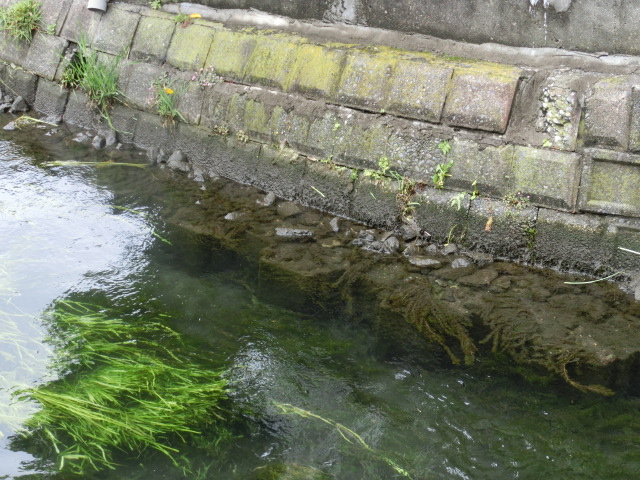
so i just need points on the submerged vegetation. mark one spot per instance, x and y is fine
(123, 386)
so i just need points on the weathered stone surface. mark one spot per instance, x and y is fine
(559, 116)
(271, 62)
(80, 112)
(327, 188)
(610, 183)
(435, 215)
(256, 120)
(152, 38)
(139, 78)
(418, 90)
(321, 134)
(150, 132)
(20, 83)
(365, 80)
(230, 53)
(280, 169)
(414, 152)
(376, 203)
(549, 178)
(189, 47)
(51, 98)
(607, 114)
(80, 22)
(634, 126)
(45, 54)
(580, 243)
(12, 51)
(480, 98)
(317, 70)
(360, 144)
(491, 168)
(188, 98)
(115, 31)
(503, 230)
(54, 13)
(178, 161)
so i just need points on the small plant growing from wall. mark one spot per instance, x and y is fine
(205, 77)
(442, 169)
(165, 96)
(98, 77)
(20, 20)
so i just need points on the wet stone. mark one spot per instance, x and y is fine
(19, 105)
(98, 142)
(460, 263)
(294, 233)
(268, 200)
(480, 278)
(480, 258)
(450, 249)
(391, 244)
(335, 224)
(424, 262)
(234, 215)
(288, 209)
(408, 232)
(178, 161)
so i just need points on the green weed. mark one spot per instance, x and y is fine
(123, 386)
(442, 172)
(20, 20)
(165, 94)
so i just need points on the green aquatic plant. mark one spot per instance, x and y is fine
(346, 433)
(123, 386)
(21, 19)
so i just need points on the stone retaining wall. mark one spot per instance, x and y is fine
(548, 157)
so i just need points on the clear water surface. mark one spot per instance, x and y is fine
(96, 235)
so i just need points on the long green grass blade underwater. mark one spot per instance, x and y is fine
(123, 387)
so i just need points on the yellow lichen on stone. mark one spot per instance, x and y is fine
(256, 118)
(230, 53)
(190, 46)
(365, 79)
(317, 69)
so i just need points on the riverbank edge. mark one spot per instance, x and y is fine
(542, 164)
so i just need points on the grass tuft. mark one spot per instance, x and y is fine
(20, 20)
(122, 387)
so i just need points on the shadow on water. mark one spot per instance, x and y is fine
(325, 379)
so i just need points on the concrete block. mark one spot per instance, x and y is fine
(51, 98)
(610, 183)
(256, 120)
(189, 97)
(12, 51)
(45, 55)
(322, 137)
(365, 80)
(317, 70)
(559, 117)
(279, 171)
(418, 90)
(549, 178)
(490, 167)
(189, 47)
(80, 112)
(235, 112)
(414, 152)
(374, 203)
(124, 121)
(215, 106)
(481, 97)
(20, 82)
(502, 229)
(297, 134)
(54, 13)
(361, 144)
(139, 78)
(114, 33)
(581, 243)
(327, 187)
(272, 61)
(435, 215)
(634, 125)
(151, 132)
(80, 22)
(230, 53)
(607, 114)
(151, 41)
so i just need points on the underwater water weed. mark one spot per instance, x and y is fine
(122, 387)
(346, 433)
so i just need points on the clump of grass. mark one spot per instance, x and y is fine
(123, 387)
(98, 77)
(165, 96)
(20, 20)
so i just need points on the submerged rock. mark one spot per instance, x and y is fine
(294, 233)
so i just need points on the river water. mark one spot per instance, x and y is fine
(112, 236)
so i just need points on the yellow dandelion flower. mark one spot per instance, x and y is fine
(195, 15)
(168, 90)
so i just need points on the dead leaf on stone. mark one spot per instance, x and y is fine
(487, 227)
